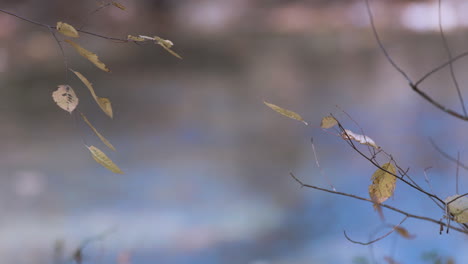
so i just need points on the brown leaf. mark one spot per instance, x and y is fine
(133, 38)
(88, 55)
(104, 103)
(285, 112)
(328, 122)
(166, 44)
(65, 98)
(118, 5)
(101, 137)
(102, 159)
(404, 233)
(383, 183)
(67, 30)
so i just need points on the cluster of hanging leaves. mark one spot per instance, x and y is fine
(66, 98)
(383, 179)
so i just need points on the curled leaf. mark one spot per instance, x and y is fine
(383, 183)
(65, 98)
(67, 30)
(88, 55)
(404, 233)
(101, 137)
(328, 122)
(285, 112)
(458, 208)
(118, 5)
(365, 140)
(133, 38)
(102, 159)
(104, 103)
(166, 44)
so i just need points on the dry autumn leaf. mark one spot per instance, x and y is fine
(102, 159)
(88, 55)
(101, 137)
(458, 207)
(365, 140)
(404, 233)
(133, 38)
(285, 112)
(65, 98)
(67, 30)
(118, 5)
(383, 183)
(166, 44)
(328, 122)
(104, 103)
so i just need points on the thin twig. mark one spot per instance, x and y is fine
(409, 215)
(381, 46)
(446, 155)
(54, 27)
(440, 67)
(449, 54)
(318, 165)
(380, 167)
(458, 166)
(377, 239)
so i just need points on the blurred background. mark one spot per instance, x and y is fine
(206, 162)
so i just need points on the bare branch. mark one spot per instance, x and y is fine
(377, 239)
(449, 54)
(446, 155)
(409, 215)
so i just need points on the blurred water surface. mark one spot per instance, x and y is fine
(206, 162)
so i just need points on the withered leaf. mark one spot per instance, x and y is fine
(67, 30)
(285, 112)
(328, 122)
(65, 98)
(101, 137)
(105, 161)
(383, 183)
(104, 103)
(88, 55)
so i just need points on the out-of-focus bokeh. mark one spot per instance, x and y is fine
(206, 162)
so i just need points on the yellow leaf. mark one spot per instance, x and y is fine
(65, 98)
(328, 122)
(383, 183)
(133, 38)
(88, 55)
(166, 44)
(285, 112)
(101, 137)
(67, 30)
(404, 233)
(103, 103)
(102, 159)
(118, 5)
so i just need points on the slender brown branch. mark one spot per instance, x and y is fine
(440, 67)
(446, 155)
(120, 40)
(373, 162)
(377, 239)
(381, 46)
(409, 215)
(449, 54)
